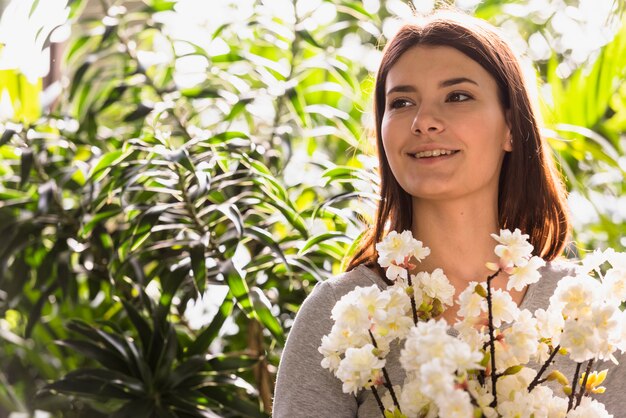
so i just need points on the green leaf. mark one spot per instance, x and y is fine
(91, 350)
(79, 74)
(27, 160)
(99, 384)
(136, 408)
(320, 238)
(107, 161)
(141, 111)
(190, 368)
(239, 289)
(114, 95)
(95, 220)
(266, 238)
(114, 343)
(232, 362)
(6, 136)
(306, 35)
(262, 307)
(206, 337)
(162, 5)
(198, 265)
(237, 108)
(200, 92)
(140, 324)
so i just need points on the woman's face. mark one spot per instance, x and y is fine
(444, 130)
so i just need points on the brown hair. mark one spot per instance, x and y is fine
(531, 195)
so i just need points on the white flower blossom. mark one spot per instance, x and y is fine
(614, 285)
(525, 274)
(398, 248)
(457, 404)
(580, 339)
(616, 259)
(437, 286)
(397, 322)
(592, 262)
(509, 385)
(589, 408)
(504, 309)
(470, 303)
(519, 406)
(522, 337)
(513, 248)
(460, 355)
(573, 295)
(394, 272)
(472, 333)
(356, 309)
(550, 324)
(413, 401)
(483, 397)
(436, 381)
(359, 368)
(425, 342)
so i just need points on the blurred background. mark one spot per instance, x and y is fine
(176, 175)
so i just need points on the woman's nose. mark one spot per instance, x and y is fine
(426, 122)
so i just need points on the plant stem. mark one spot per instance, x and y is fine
(545, 366)
(413, 307)
(573, 394)
(492, 340)
(387, 383)
(378, 401)
(583, 387)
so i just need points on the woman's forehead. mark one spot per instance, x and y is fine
(435, 66)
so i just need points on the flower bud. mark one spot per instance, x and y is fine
(559, 377)
(567, 390)
(513, 370)
(480, 290)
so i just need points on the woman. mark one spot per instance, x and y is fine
(460, 157)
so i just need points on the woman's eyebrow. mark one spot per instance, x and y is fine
(401, 88)
(457, 80)
(406, 88)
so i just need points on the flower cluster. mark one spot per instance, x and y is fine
(482, 365)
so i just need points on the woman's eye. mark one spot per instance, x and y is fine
(458, 97)
(399, 103)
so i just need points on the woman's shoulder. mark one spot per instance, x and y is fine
(558, 268)
(360, 276)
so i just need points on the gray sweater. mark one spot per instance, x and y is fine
(305, 389)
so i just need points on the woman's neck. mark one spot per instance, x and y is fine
(459, 237)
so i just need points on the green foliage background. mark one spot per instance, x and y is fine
(159, 234)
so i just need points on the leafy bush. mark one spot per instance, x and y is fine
(200, 172)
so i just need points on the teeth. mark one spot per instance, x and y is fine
(433, 153)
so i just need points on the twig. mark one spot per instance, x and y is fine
(583, 387)
(387, 383)
(543, 368)
(570, 403)
(378, 401)
(413, 307)
(492, 340)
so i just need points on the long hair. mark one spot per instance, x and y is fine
(531, 194)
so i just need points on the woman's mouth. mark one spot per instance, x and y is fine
(433, 153)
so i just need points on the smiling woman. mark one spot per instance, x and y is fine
(460, 158)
